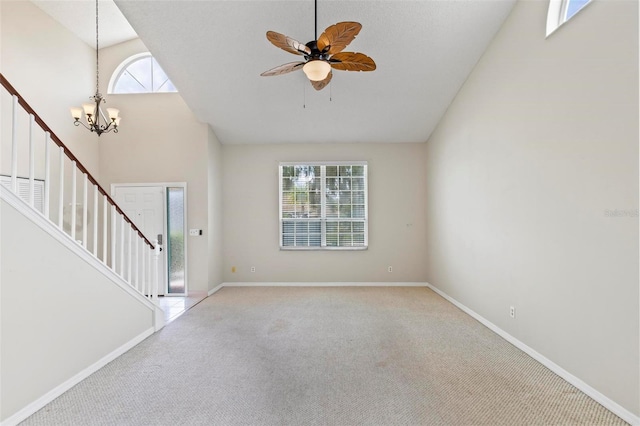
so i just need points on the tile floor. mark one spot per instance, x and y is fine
(174, 306)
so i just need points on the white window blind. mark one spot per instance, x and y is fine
(323, 206)
(23, 191)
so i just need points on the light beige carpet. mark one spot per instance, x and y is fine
(324, 356)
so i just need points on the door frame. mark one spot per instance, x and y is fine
(164, 186)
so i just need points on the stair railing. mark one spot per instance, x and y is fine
(113, 238)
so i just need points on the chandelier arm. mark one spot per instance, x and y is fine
(78, 122)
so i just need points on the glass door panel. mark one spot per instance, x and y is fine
(176, 241)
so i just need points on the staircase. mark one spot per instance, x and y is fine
(78, 279)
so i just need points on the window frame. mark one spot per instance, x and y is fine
(120, 69)
(557, 14)
(323, 216)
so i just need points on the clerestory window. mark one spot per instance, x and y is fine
(140, 74)
(323, 206)
(560, 11)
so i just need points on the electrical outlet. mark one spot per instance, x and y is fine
(253, 269)
(512, 312)
(390, 269)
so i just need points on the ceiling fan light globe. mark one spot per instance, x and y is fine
(316, 70)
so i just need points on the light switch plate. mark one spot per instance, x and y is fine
(195, 232)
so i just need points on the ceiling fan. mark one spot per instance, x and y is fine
(322, 54)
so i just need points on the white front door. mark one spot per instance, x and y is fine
(144, 205)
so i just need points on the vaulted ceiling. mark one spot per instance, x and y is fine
(215, 50)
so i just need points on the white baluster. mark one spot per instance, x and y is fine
(32, 163)
(137, 258)
(61, 196)
(122, 222)
(144, 275)
(129, 262)
(85, 210)
(73, 199)
(95, 220)
(113, 239)
(149, 273)
(105, 205)
(47, 174)
(14, 146)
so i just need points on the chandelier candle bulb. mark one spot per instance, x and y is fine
(113, 113)
(76, 113)
(89, 109)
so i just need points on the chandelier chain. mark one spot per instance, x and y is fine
(97, 61)
(96, 120)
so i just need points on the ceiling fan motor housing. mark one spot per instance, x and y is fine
(316, 53)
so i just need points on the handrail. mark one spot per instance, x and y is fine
(69, 154)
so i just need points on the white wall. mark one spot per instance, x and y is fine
(46, 289)
(540, 143)
(215, 211)
(160, 140)
(396, 211)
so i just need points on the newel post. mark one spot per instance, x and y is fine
(156, 275)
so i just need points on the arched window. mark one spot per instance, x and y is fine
(560, 11)
(140, 73)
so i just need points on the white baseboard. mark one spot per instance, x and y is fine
(215, 289)
(320, 284)
(158, 319)
(315, 284)
(603, 400)
(65, 386)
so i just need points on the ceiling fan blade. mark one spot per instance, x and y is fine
(287, 43)
(302, 48)
(319, 85)
(352, 61)
(283, 69)
(338, 36)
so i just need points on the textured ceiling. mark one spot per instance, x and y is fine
(214, 52)
(80, 18)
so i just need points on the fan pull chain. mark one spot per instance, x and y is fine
(304, 94)
(330, 92)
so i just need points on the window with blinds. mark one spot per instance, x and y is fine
(23, 190)
(323, 206)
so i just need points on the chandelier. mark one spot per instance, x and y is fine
(96, 120)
